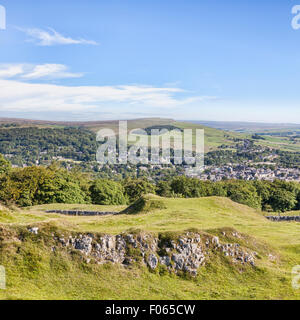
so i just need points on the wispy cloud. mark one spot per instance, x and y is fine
(50, 37)
(20, 96)
(33, 72)
(50, 71)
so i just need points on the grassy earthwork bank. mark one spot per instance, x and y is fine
(34, 271)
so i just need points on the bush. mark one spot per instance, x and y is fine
(135, 188)
(107, 192)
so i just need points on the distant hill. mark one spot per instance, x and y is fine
(214, 138)
(248, 126)
(218, 135)
(90, 124)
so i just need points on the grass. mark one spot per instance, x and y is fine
(34, 272)
(292, 213)
(145, 204)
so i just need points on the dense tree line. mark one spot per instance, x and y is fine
(43, 185)
(28, 145)
(279, 196)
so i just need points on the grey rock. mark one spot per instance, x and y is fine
(215, 241)
(178, 260)
(152, 261)
(165, 261)
(187, 254)
(34, 230)
(84, 244)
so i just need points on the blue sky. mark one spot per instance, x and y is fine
(195, 60)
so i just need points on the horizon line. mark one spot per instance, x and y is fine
(17, 119)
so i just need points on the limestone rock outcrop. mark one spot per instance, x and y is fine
(184, 253)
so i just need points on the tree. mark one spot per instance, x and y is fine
(107, 192)
(5, 165)
(243, 192)
(135, 188)
(164, 189)
(181, 185)
(20, 185)
(59, 187)
(282, 200)
(39, 185)
(263, 189)
(218, 189)
(192, 187)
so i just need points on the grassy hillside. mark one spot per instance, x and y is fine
(34, 271)
(277, 135)
(283, 143)
(213, 137)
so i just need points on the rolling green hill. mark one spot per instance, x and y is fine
(40, 268)
(217, 134)
(22, 138)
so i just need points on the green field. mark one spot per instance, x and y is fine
(35, 272)
(281, 143)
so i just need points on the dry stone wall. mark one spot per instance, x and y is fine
(82, 213)
(284, 218)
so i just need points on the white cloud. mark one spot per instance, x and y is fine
(32, 97)
(33, 72)
(9, 71)
(50, 71)
(51, 37)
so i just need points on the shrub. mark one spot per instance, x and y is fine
(107, 192)
(135, 188)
